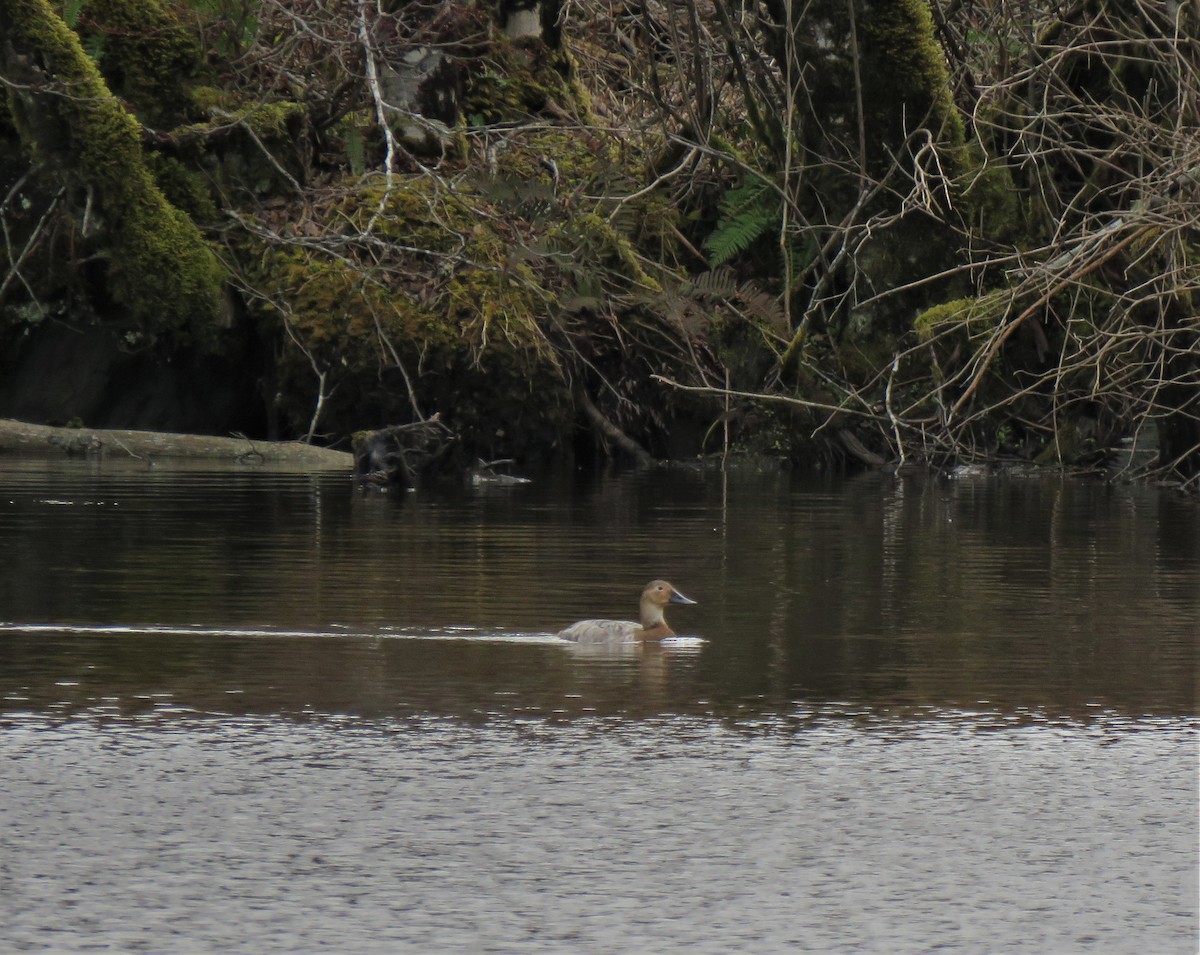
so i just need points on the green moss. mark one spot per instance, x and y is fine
(451, 303)
(995, 205)
(271, 120)
(579, 156)
(974, 316)
(592, 236)
(159, 268)
(243, 146)
(147, 57)
(907, 75)
(186, 190)
(205, 99)
(337, 314)
(274, 120)
(417, 212)
(487, 303)
(655, 227)
(487, 298)
(568, 161)
(519, 80)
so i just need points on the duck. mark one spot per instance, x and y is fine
(651, 628)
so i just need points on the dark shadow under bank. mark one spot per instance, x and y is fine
(60, 373)
(150, 446)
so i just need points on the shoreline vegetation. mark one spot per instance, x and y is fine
(845, 234)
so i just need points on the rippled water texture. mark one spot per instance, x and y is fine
(244, 711)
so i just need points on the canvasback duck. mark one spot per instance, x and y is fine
(653, 625)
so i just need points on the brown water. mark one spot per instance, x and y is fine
(255, 711)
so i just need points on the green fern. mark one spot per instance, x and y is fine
(71, 11)
(748, 212)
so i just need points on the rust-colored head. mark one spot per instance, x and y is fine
(662, 593)
(655, 597)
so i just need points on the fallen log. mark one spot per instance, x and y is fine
(151, 445)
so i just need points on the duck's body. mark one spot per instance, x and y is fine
(652, 626)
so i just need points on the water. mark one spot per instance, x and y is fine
(259, 711)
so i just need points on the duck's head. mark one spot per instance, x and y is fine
(655, 597)
(659, 593)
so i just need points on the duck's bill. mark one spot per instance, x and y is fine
(678, 598)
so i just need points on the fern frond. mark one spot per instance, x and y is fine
(736, 235)
(722, 285)
(763, 307)
(71, 11)
(748, 212)
(720, 282)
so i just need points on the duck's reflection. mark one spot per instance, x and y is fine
(652, 671)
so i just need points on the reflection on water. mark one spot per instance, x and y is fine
(254, 711)
(920, 592)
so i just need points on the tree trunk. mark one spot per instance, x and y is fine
(159, 270)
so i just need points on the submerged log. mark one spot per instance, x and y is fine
(151, 445)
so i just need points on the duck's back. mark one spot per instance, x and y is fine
(600, 631)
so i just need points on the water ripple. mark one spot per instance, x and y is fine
(667, 835)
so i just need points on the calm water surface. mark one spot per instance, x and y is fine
(259, 711)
